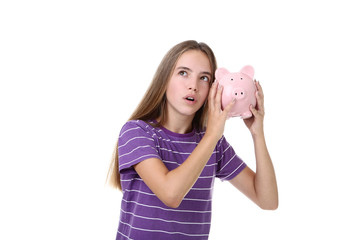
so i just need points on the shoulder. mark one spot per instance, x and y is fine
(136, 126)
(135, 144)
(136, 123)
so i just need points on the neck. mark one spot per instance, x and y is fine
(178, 124)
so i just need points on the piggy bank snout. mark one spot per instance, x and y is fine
(239, 93)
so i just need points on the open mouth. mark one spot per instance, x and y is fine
(190, 99)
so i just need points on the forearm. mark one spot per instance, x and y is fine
(265, 179)
(181, 179)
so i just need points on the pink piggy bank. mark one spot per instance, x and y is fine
(239, 85)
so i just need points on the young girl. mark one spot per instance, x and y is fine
(172, 148)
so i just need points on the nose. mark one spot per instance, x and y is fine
(239, 93)
(193, 84)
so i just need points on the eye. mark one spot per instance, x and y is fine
(183, 73)
(205, 78)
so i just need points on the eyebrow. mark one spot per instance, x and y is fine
(188, 69)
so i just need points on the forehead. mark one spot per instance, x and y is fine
(195, 60)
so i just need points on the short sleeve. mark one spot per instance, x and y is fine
(135, 145)
(229, 163)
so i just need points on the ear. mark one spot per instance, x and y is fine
(248, 70)
(220, 72)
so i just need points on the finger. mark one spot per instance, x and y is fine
(254, 111)
(259, 88)
(218, 96)
(228, 107)
(212, 93)
(259, 97)
(259, 100)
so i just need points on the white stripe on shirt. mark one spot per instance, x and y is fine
(134, 150)
(233, 171)
(228, 162)
(154, 155)
(128, 131)
(133, 139)
(152, 194)
(163, 220)
(149, 230)
(125, 236)
(166, 209)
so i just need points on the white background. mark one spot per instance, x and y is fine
(73, 71)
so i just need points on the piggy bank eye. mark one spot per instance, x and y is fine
(232, 79)
(240, 78)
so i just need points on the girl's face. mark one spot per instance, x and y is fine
(188, 86)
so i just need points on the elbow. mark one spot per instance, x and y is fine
(172, 204)
(269, 206)
(172, 200)
(169, 195)
(268, 202)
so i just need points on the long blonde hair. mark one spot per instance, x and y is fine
(153, 104)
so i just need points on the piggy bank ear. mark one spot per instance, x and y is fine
(248, 70)
(220, 72)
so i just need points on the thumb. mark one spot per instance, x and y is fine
(253, 110)
(228, 107)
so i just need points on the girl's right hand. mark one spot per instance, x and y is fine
(216, 116)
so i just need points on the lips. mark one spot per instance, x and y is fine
(190, 98)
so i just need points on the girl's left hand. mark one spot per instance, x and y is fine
(256, 123)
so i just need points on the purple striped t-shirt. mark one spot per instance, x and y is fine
(143, 215)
